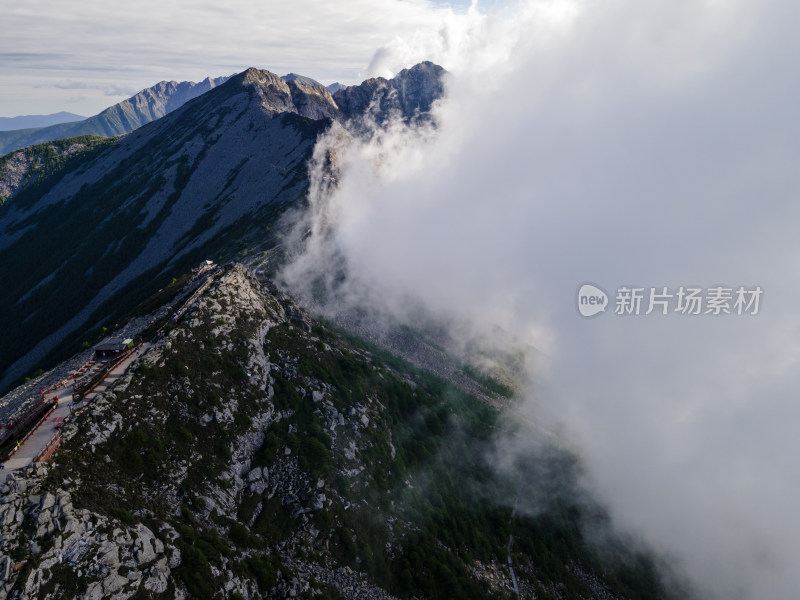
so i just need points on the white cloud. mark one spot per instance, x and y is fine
(620, 143)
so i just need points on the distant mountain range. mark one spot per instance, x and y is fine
(31, 121)
(335, 87)
(332, 88)
(301, 79)
(148, 105)
(92, 226)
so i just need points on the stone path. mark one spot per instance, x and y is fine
(37, 442)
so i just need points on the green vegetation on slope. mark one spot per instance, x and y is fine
(49, 161)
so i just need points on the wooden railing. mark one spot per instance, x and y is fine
(32, 430)
(48, 450)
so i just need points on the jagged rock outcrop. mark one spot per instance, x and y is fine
(279, 95)
(15, 170)
(409, 95)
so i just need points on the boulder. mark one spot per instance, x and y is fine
(7, 514)
(94, 591)
(48, 500)
(174, 557)
(145, 552)
(156, 581)
(113, 583)
(6, 568)
(108, 555)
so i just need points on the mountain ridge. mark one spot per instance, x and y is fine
(37, 121)
(207, 180)
(141, 108)
(410, 93)
(251, 452)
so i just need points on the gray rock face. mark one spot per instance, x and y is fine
(115, 563)
(48, 500)
(16, 168)
(147, 546)
(355, 99)
(6, 564)
(255, 475)
(157, 581)
(279, 95)
(108, 555)
(7, 515)
(313, 101)
(410, 94)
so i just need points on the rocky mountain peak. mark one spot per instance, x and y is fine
(419, 86)
(260, 77)
(313, 101)
(410, 94)
(276, 94)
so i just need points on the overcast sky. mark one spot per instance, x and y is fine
(84, 56)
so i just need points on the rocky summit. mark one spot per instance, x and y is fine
(254, 452)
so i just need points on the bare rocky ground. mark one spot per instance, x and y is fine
(251, 453)
(49, 547)
(15, 171)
